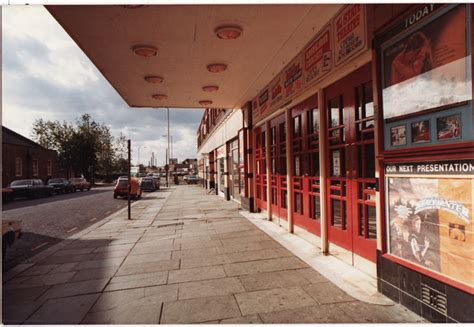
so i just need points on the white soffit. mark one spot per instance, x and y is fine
(184, 35)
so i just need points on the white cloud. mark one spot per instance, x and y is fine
(46, 75)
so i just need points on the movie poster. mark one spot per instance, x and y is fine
(420, 131)
(398, 135)
(428, 67)
(448, 128)
(430, 219)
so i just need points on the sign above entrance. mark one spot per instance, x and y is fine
(350, 35)
(336, 43)
(318, 56)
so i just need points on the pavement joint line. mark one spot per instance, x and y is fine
(11, 273)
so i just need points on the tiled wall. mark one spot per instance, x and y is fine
(408, 287)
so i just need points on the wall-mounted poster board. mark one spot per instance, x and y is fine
(426, 78)
(429, 216)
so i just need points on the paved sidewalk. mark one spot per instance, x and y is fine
(187, 257)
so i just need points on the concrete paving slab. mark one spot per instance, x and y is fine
(195, 253)
(17, 314)
(327, 292)
(96, 264)
(91, 274)
(312, 275)
(70, 310)
(214, 287)
(200, 310)
(75, 288)
(148, 267)
(23, 295)
(253, 267)
(269, 280)
(258, 255)
(41, 280)
(147, 257)
(38, 270)
(194, 274)
(137, 280)
(318, 314)
(251, 319)
(64, 267)
(200, 244)
(276, 299)
(204, 261)
(373, 313)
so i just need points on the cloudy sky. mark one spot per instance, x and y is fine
(46, 75)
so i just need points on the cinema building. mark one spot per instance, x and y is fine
(364, 141)
(348, 125)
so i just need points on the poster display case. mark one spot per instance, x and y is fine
(429, 216)
(426, 78)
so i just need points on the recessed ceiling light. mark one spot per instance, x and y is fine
(205, 103)
(216, 68)
(159, 96)
(210, 88)
(145, 50)
(228, 32)
(153, 79)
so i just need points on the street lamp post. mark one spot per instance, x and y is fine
(139, 153)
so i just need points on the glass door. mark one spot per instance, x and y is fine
(351, 164)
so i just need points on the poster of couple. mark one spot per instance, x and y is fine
(431, 225)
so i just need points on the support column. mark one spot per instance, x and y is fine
(267, 160)
(289, 169)
(227, 164)
(323, 171)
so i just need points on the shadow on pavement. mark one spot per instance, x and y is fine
(24, 202)
(26, 247)
(62, 287)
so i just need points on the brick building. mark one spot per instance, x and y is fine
(22, 158)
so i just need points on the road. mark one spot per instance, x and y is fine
(47, 221)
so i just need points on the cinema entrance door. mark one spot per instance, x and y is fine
(350, 171)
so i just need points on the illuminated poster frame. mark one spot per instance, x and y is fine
(429, 216)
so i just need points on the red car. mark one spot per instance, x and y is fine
(80, 183)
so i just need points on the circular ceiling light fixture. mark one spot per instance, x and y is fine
(205, 103)
(145, 50)
(228, 32)
(159, 96)
(154, 79)
(210, 88)
(216, 68)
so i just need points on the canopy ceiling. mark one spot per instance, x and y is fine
(186, 41)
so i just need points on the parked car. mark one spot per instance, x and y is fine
(11, 231)
(157, 181)
(30, 188)
(80, 183)
(191, 179)
(61, 185)
(147, 184)
(7, 194)
(121, 187)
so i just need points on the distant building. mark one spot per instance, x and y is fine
(23, 159)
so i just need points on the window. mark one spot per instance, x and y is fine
(297, 126)
(18, 167)
(49, 168)
(35, 167)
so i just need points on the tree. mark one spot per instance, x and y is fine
(84, 148)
